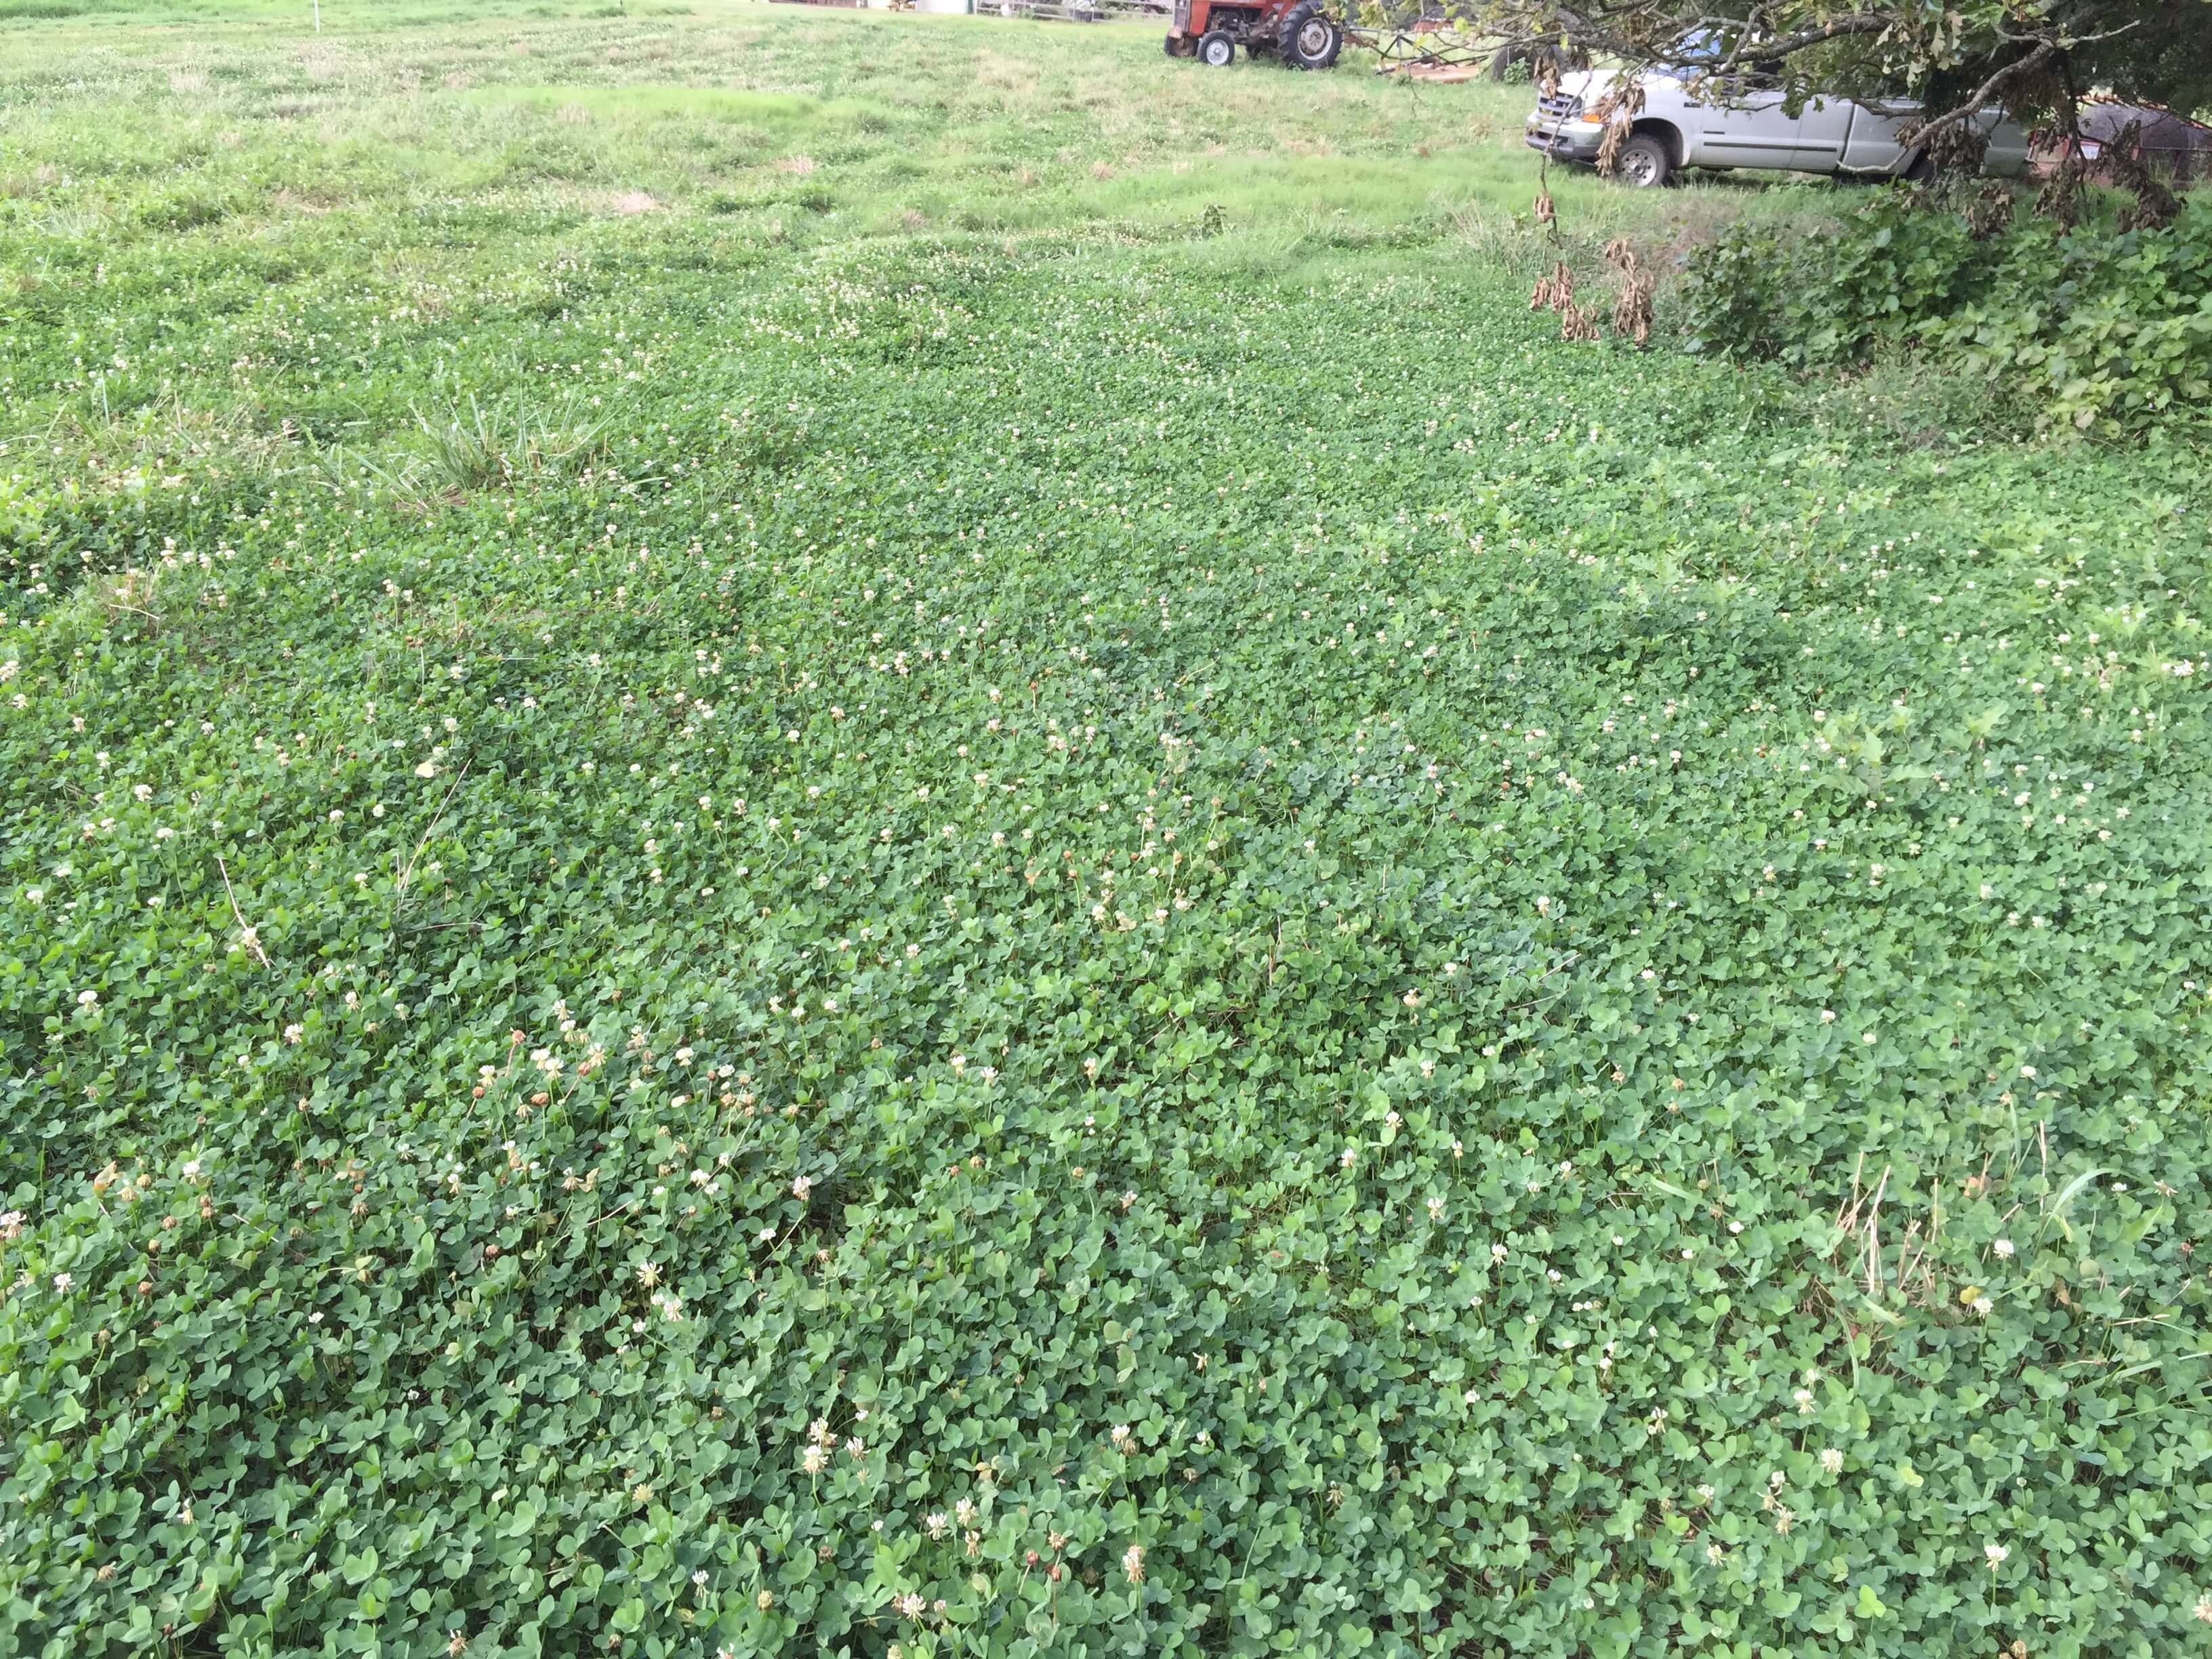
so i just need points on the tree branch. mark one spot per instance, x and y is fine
(1920, 133)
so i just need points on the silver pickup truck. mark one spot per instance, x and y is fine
(1691, 119)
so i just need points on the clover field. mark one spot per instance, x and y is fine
(787, 871)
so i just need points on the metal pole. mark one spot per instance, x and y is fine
(319, 16)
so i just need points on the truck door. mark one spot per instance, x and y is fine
(1872, 145)
(1825, 131)
(1741, 124)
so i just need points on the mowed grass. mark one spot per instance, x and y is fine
(427, 167)
(831, 832)
(974, 124)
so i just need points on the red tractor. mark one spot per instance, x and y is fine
(1297, 33)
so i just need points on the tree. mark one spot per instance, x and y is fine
(1958, 57)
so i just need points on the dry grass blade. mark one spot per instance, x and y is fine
(246, 934)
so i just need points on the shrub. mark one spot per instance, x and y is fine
(2088, 329)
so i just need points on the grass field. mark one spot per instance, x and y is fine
(831, 832)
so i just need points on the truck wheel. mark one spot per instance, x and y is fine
(1921, 170)
(1308, 38)
(1644, 163)
(1216, 50)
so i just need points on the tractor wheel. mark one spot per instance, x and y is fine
(1216, 50)
(1644, 163)
(1308, 38)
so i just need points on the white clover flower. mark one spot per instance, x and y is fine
(2003, 1247)
(88, 999)
(1831, 1460)
(1995, 1554)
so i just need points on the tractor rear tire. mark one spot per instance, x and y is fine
(1308, 38)
(1216, 50)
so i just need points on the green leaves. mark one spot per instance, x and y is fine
(1041, 927)
(2025, 312)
